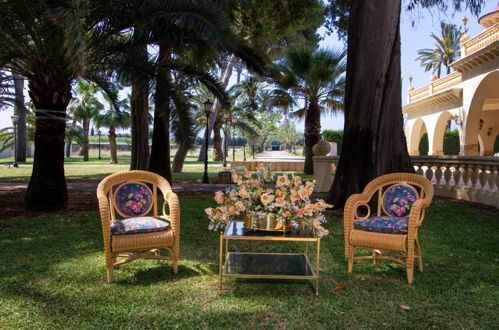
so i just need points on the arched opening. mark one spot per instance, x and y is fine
(496, 144)
(423, 141)
(418, 129)
(439, 134)
(477, 120)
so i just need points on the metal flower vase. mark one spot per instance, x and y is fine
(267, 222)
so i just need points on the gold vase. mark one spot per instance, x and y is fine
(267, 222)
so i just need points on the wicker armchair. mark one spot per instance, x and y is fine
(401, 201)
(125, 200)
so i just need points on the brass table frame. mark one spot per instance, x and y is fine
(224, 244)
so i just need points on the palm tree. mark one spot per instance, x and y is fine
(112, 119)
(447, 49)
(85, 108)
(52, 43)
(317, 77)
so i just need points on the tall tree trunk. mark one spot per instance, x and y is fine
(160, 150)
(374, 142)
(113, 148)
(216, 105)
(47, 189)
(218, 154)
(20, 111)
(85, 147)
(312, 134)
(67, 150)
(178, 160)
(140, 114)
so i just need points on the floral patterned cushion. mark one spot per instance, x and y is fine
(383, 224)
(133, 199)
(398, 199)
(138, 225)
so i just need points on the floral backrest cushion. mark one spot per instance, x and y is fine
(133, 199)
(398, 199)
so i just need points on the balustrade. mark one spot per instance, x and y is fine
(474, 179)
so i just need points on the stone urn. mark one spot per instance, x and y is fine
(321, 148)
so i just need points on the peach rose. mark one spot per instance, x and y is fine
(266, 198)
(279, 202)
(282, 180)
(219, 197)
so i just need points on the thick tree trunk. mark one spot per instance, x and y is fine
(178, 160)
(160, 150)
(374, 142)
(312, 134)
(113, 148)
(218, 154)
(216, 105)
(20, 111)
(50, 95)
(86, 129)
(139, 116)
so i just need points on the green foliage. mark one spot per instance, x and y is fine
(274, 25)
(334, 136)
(496, 145)
(451, 143)
(423, 145)
(338, 11)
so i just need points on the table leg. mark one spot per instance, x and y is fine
(318, 267)
(220, 263)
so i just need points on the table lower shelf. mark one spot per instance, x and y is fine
(268, 265)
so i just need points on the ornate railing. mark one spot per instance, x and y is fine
(474, 179)
(435, 86)
(480, 40)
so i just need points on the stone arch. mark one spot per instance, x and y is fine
(417, 131)
(439, 133)
(487, 88)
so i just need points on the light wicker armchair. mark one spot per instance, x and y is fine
(125, 200)
(400, 208)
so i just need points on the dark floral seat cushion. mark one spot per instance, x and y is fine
(138, 225)
(133, 199)
(383, 224)
(398, 200)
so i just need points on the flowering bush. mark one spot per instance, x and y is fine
(286, 196)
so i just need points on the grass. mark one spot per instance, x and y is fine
(124, 158)
(52, 275)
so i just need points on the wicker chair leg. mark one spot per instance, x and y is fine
(110, 275)
(157, 253)
(350, 259)
(409, 263)
(420, 258)
(175, 265)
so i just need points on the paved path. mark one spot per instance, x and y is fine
(281, 155)
(92, 186)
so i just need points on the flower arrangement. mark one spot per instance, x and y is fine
(286, 196)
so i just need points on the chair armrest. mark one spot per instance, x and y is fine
(352, 204)
(105, 218)
(174, 217)
(416, 215)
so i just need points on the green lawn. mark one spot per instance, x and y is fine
(52, 275)
(125, 159)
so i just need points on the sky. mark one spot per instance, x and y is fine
(413, 37)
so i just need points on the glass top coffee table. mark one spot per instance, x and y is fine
(290, 266)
